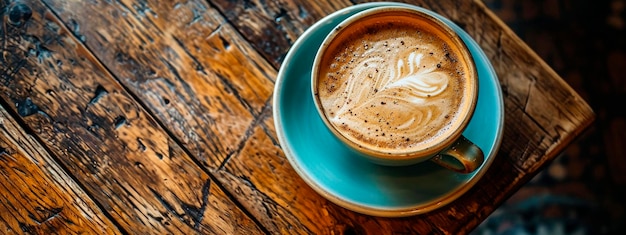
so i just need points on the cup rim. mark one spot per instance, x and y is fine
(293, 69)
(410, 156)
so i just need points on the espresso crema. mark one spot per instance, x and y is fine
(393, 86)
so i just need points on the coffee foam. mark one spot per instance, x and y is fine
(391, 87)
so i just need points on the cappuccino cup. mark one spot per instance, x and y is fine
(398, 86)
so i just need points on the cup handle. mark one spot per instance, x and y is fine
(463, 156)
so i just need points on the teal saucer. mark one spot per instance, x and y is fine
(333, 171)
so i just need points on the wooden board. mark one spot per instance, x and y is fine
(36, 195)
(273, 26)
(184, 61)
(110, 144)
(161, 111)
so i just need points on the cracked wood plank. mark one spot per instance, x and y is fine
(36, 195)
(184, 61)
(121, 156)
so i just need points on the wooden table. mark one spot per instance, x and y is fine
(155, 117)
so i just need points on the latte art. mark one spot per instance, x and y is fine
(391, 87)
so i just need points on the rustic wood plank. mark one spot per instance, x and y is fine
(555, 113)
(36, 195)
(542, 116)
(111, 145)
(272, 26)
(184, 61)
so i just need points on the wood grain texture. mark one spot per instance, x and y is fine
(144, 180)
(533, 91)
(273, 26)
(36, 195)
(189, 67)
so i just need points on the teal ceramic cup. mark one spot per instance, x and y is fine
(398, 86)
(348, 180)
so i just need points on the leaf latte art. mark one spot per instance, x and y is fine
(392, 87)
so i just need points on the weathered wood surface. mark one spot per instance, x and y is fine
(189, 67)
(122, 157)
(36, 195)
(159, 110)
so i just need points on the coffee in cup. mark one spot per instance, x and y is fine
(398, 86)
